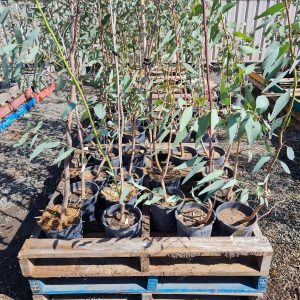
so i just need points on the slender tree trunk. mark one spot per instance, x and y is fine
(208, 82)
(67, 192)
(120, 106)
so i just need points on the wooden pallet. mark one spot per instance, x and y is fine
(151, 254)
(225, 261)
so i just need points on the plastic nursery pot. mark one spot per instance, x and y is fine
(188, 185)
(71, 232)
(219, 154)
(173, 183)
(139, 155)
(202, 230)
(139, 136)
(113, 156)
(131, 231)
(189, 153)
(225, 229)
(163, 217)
(89, 206)
(138, 174)
(101, 180)
(167, 137)
(110, 202)
(205, 138)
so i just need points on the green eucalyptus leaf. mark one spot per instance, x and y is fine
(18, 34)
(179, 137)
(280, 104)
(70, 107)
(272, 10)
(63, 155)
(141, 199)
(275, 125)
(244, 195)
(33, 140)
(285, 167)
(211, 176)
(243, 36)
(196, 168)
(290, 153)
(22, 140)
(233, 123)
(40, 148)
(7, 49)
(253, 129)
(228, 6)
(189, 68)
(4, 14)
(262, 104)
(213, 187)
(168, 37)
(247, 50)
(99, 110)
(188, 164)
(203, 123)
(125, 191)
(275, 81)
(263, 160)
(214, 121)
(229, 184)
(185, 118)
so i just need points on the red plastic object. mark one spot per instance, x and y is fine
(14, 103)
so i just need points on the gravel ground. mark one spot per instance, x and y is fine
(25, 187)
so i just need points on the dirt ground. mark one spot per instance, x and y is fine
(25, 187)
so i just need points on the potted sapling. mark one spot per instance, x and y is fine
(120, 220)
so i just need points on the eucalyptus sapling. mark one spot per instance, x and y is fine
(120, 108)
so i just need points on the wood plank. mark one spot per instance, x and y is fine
(92, 270)
(154, 247)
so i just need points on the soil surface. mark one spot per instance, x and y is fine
(76, 196)
(170, 176)
(215, 155)
(186, 155)
(113, 221)
(192, 216)
(110, 192)
(230, 216)
(50, 219)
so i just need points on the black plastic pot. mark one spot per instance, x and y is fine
(163, 218)
(114, 159)
(218, 161)
(205, 138)
(202, 230)
(109, 203)
(139, 137)
(94, 170)
(140, 172)
(226, 229)
(88, 206)
(139, 158)
(168, 183)
(167, 137)
(132, 231)
(178, 160)
(68, 233)
(186, 188)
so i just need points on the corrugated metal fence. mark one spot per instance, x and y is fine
(244, 13)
